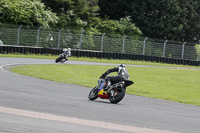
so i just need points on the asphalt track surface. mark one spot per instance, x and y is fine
(34, 105)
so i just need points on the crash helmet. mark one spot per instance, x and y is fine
(122, 65)
(69, 49)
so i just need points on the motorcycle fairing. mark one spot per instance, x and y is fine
(128, 83)
(101, 93)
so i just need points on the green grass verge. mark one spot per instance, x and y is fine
(179, 85)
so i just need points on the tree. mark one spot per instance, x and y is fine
(164, 19)
(121, 27)
(113, 9)
(30, 12)
(75, 14)
(191, 25)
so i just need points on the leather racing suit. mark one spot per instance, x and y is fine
(122, 75)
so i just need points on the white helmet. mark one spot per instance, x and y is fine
(122, 65)
(69, 49)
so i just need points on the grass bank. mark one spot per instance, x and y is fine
(179, 85)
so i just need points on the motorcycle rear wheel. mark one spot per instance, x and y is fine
(118, 95)
(93, 94)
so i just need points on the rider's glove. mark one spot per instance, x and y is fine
(102, 76)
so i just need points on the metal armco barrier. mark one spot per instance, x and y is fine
(96, 54)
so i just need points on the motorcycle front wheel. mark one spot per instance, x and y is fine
(117, 94)
(59, 59)
(93, 93)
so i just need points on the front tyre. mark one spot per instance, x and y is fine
(59, 59)
(116, 95)
(93, 93)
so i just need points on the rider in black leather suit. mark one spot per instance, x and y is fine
(122, 75)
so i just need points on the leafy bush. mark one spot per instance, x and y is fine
(26, 12)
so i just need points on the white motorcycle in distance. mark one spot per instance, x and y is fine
(64, 56)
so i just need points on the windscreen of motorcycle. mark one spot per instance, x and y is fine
(101, 84)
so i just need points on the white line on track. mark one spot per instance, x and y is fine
(2, 67)
(92, 123)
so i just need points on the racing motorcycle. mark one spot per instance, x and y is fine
(115, 94)
(63, 57)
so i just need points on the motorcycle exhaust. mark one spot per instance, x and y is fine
(117, 86)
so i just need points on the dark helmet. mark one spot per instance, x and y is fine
(122, 65)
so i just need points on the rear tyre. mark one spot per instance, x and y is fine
(93, 94)
(118, 95)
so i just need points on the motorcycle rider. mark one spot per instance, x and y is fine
(122, 75)
(67, 53)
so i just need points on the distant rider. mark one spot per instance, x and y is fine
(67, 53)
(122, 75)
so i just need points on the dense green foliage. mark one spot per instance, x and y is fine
(164, 19)
(65, 14)
(26, 12)
(74, 14)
